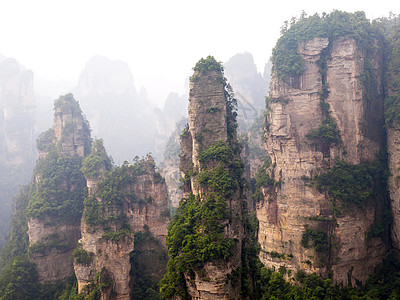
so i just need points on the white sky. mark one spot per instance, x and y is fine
(160, 40)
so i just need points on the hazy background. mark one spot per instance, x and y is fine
(159, 40)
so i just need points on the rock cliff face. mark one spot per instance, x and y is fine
(211, 128)
(59, 188)
(295, 110)
(393, 137)
(109, 228)
(54, 262)
(393, 132)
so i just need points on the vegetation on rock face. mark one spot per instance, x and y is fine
(326, 133)
(47, 243)
(45, 141)
(81, 256)
(112, 190)
(102, 282)
(97, 161)
(208, 64)
(392, 67)
(148, 262)
(318, 237)
(61, 189)
(197, 233)
(67, 104)
(262, 179)
(288, 63)
(348, 183)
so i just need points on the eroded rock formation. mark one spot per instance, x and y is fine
(210, 215)
(55, 209)
(128, 200)
(293, 206)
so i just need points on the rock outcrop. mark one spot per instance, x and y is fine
(126, 201)
(55, 209)
(211, 210)
(393, 127)
(293, 205)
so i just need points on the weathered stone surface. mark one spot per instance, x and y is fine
(206, 128)
(393, 146)
(71, 131)
(53, 264)
(208, 125)
(115, 255)
(72, 138)
(356, 117)
(287, 207)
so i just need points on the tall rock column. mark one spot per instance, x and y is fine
(55, 208)
(205, 238)
(324, 129)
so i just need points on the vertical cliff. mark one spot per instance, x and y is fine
(126, 206)
(324, 131)
(59, 187)
(392, 119)
(205, 239)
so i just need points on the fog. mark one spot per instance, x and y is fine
(159, 40)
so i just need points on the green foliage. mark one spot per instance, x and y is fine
(219, 180)
(81, 256)
(326, 133)
(261, 179)
(219, 152)
(116, 236)
(213, 110)
(17, 243)
(111, 192)
(98, 285)
(351, 184)
(60, 190)
(318, 237)
(48, 242)
(208, 64)
(97, 161)
(392, 68)
(147, 261)
(19, 280)
(45, 141)
(185, 131)
(288, 63)
(195, 236)
(68, 104)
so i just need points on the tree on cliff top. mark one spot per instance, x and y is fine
(288, 63)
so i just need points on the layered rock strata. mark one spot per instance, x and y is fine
(293, 202)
